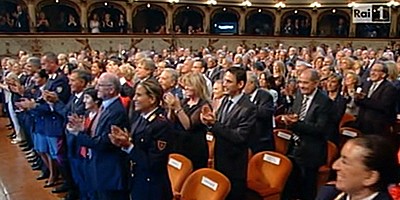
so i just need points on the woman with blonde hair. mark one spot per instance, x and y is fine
(278, 69)
(191, 139)
(351, 81)
(346, 64)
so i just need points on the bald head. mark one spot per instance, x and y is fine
(108, 86)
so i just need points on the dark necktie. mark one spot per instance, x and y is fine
(225, 111)
(303, 109)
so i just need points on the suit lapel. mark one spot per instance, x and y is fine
(378, 89)
(220, 109)
(235, 109)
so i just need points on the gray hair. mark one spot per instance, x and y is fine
(34, 61)
(174, 74)
(252, 77)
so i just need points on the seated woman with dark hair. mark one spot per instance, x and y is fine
(365, 169)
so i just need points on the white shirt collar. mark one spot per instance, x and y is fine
(235, 99)
(122, 80)
(312, 95)
(370, 197)
(378, 83)
(253, 95)
(79, 95)
(147, 115)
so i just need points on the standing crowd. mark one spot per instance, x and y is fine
(106, 123)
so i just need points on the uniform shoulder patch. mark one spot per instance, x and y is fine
(161, 145)
(59, 89)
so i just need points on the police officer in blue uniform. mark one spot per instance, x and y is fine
(148, 145)
(56, 88)
(78, 82)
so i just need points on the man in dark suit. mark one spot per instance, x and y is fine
(308, 147)
(235, 121)
(21, 20)
(377, 102)
(168, 80)
(261, 139)
(213, 70)
(108, 164)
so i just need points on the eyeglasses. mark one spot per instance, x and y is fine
(103, 85)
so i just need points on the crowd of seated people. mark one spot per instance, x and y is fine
(84, 115)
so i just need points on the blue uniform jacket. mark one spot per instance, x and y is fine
(149, 158)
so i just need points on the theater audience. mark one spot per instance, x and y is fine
(249, 84)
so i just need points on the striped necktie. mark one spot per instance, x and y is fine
(303, 109)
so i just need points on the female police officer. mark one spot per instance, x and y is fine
(148, 145)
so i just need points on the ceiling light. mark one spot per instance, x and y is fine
(259, 10)
(148, 5)
(212, 2)
(280, 5)
(352, 4)
(105, 4)
(315, 4)
(173, 1)
(246, 3)
(224, 9)
(57, 1)
(295, 11)
(333, 10)
(393, 3)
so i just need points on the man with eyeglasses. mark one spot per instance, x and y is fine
(377, 102)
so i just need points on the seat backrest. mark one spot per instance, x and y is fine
(282, 138)
(332, 153)
(346, 118)
(179, 168)
(268, 169)
(210, 142)
(278, 121)
(206, 184)
(347, 133)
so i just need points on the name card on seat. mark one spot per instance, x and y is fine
(272, 159)
(174, 163)
(349, 133)
(209, 137)
(209, 183)
(284, 135)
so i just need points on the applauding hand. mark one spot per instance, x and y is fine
(119, 137)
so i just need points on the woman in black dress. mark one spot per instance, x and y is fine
(191, 138)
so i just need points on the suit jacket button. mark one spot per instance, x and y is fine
(148, 179)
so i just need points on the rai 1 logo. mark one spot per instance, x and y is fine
(371, 13)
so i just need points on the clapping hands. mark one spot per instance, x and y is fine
(119, 137)
(172, 101)
(75, 124)
(207, 116)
